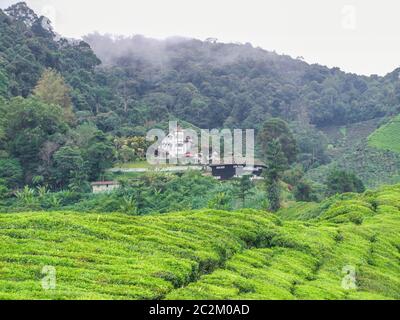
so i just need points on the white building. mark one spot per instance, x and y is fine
(177, 145)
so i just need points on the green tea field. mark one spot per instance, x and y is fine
(348, 247)
(387, 137)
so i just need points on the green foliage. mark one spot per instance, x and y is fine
(27, 198)
(68, 162)
(28, 49)
(273, 195)
(312, 145)
(352, 153)
(143, 265)
(157, 192)
(99, 154)
(11, 173)
(208, 254)
(310, 261)
(215, 85)
(129, 205)
(4, 190)
(279, 149)
(277, 129)
(387, 137)
(131, 149)
(244, 187)
(4, 83)
(303, 192)
(31, 127)
(37, 136)
(52, 89)
(219, 202)
(299, 211)
(341, 182)
(276, 163)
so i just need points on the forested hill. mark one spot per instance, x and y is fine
(28, 46)
(144, 81)
(213, 84)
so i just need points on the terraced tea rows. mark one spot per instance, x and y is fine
(349, 250)
(116, 256)
(387, 137)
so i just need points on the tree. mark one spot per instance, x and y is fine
(4, 83)
(243, 186)
(219, 202)
(11, 173)
(30, 124)
(70, 167)
(339, 181)
(276, 163)
(129, 205)
(52, 89)
(277, 129)
(312, 145)
(99, 155)
(4, 190)
(279, 149)
(303, 192)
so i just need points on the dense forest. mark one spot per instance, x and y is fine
(206, 83)
(213, 84)
(72, 109)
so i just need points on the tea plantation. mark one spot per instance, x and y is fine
(387, 137)
(348, 247)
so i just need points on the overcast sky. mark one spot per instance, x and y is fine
(360, 36)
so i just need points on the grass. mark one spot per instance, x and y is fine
(144, 165)
(387, 137)
(209, 254)
(136, 165)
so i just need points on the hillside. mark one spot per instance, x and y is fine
(208, 254)
(126, 86)
(212, 84)
(387, 137)
(29, 45)
(358, 148)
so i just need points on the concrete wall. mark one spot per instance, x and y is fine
(104, 188)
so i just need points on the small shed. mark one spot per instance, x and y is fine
(104, 186)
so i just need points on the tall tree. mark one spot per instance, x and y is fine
(29, 126)
(99, 155)
(279, 149)
(52, 89)
(243, 186)
(277, 129)
(69, 164)
(276, 162)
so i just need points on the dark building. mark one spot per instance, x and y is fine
(229, 171)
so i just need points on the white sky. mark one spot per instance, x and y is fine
(360, 36)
